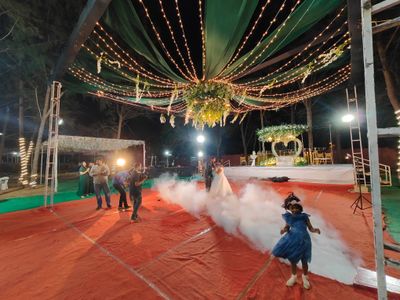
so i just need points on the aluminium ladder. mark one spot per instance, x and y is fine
(52, 145)
(357, 155)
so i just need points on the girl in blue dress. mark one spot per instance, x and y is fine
(295, 245)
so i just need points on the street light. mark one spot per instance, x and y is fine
(1, 133)
(348, 118)
(200, 139)
(167, 154)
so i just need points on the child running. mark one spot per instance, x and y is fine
(295, 245)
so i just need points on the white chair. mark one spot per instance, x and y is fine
(4, 183)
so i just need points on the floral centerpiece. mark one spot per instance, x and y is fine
(282, 133)
(208, 103)
(300, 161)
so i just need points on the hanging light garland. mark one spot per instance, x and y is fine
(25, 155)
(208, 102)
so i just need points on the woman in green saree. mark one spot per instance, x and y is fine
(83, 189)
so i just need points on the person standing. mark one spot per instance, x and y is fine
(209, 172)
(83, 188)
(135, 190)
(119, 182)
(100, 173)
(91, 185)
(220, 186)
(295, 244)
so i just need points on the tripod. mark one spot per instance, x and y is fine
(358, 203)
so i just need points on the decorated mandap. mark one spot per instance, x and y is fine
(210, 65)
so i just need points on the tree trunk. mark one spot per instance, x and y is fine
(219, 141)
(390, 88)
(262, 126)
(389, 82)
(38, 145)
(20, 109)
(308, 105)
(120, 121)
(292, 115)
(243, 134)
(121, 112)
(4, 132)
(339, 156)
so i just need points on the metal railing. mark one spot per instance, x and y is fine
(226, 163)
(384, 171)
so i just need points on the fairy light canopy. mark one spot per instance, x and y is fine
(201, 61)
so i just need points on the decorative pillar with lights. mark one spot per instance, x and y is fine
(397, 113)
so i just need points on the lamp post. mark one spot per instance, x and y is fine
(200, 154)
(167, 154)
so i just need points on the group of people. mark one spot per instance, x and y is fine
(295, 244)
(94, 178)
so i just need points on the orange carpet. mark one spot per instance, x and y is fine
(76, 252)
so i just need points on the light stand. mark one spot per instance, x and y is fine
(359, 202)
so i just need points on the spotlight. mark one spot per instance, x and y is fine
(200, 139)
(60, 121)
(121, 162)
(347, 118)
(167, 153)
(200, 154)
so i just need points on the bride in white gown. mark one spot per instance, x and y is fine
(220, 185)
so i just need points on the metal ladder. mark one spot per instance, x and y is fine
(360, 177)
(361, 165)
(52, 145)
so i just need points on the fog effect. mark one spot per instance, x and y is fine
(256, 213)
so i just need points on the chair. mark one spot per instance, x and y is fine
(329, 157)
(318, 158)
(4, 183)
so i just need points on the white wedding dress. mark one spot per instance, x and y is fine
(220, 185)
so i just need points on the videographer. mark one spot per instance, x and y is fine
(137, 178)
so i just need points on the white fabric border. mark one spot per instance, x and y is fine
(331, 174)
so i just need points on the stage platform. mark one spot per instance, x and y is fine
(328, 174)
(77, 252)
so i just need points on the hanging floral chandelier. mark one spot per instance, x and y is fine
(208, 103)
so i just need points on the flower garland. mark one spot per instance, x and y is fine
(280, 133)
(208, 103)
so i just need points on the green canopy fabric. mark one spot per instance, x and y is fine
(128, 27)
(123, 16)
(302, 19)
(225, 23)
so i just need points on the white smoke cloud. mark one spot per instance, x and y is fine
(257, 214)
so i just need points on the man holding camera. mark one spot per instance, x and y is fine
(135, 190)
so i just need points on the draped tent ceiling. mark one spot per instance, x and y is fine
(204, 60)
